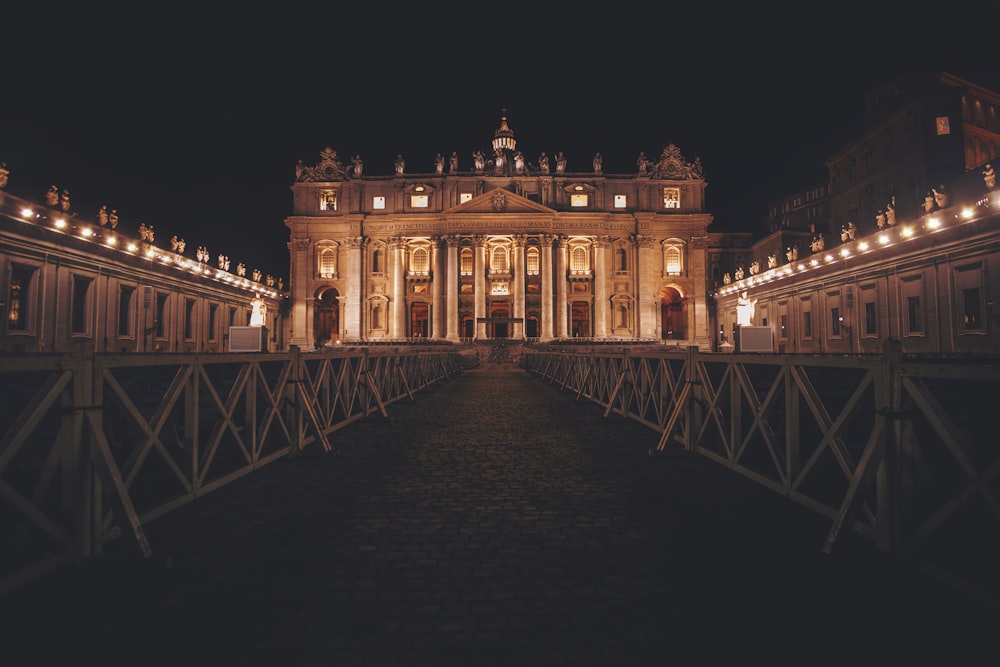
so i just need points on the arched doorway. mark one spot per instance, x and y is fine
(579, 317)
(531, 327)
(673, 315)
(419, 320)
(326, 320)
(499, 316)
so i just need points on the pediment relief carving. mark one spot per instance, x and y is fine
(499, 200)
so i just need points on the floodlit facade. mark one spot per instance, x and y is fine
(496, 247)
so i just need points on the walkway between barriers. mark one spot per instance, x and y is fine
(493, 520)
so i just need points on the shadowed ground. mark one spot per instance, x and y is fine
(493, 521)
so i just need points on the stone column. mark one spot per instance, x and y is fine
(517, 285)
(437, 311)
(304, 303)
(562, 318)
(398, 294)
(699, 321)
(601, 245)
(342, 304)
(354, 288)
(647, 289)
(451, 287)
(546, 269)
(479, 271)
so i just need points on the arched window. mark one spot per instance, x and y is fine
(499, 261)
(578, 260)
(419, 261)
(377, 261)
(531, 258)
(673, 257)
(466, 261)
(622, 257)
(328, 262)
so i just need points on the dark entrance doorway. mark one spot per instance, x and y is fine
(499, 319)
(419, 320)
(673, 317)
(326, 320)
(580, 319)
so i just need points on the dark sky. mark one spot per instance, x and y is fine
(193, 122)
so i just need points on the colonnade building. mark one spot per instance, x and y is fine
(499, 247)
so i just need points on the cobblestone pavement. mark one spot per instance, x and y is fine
(492, 521)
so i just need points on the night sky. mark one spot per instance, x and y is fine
(192, 122)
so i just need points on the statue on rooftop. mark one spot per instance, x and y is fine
(940, 196)
(439, 164)
(560, 163)
(989, 177)
(358, 166)
(453, 163)
(102, 216)
(518, 162)
(929, 202)
(52, 196)
(543, 163)
(400, 165)
(4, 173)
(642, 162)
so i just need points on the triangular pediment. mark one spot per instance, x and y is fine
(499, 200)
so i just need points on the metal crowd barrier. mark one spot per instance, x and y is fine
(92, 447)
(902, 451)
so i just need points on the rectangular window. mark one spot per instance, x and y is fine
(213, 316)
(972, 314)
(532, 261)
(20, 298)
(378, 203)
(418, 201)
(871, 319)
(807, 324)
(189, 305)
(621, 201)
(784, 327)
(328, 200)
(126, 306)
(970, 303)
(913, 315)
(80, 307)
(160, 316)
(835, 321)
(464, 197)
(578, 200)
(672, 257)
(671, 197)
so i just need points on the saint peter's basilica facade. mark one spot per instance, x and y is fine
(500, 248)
